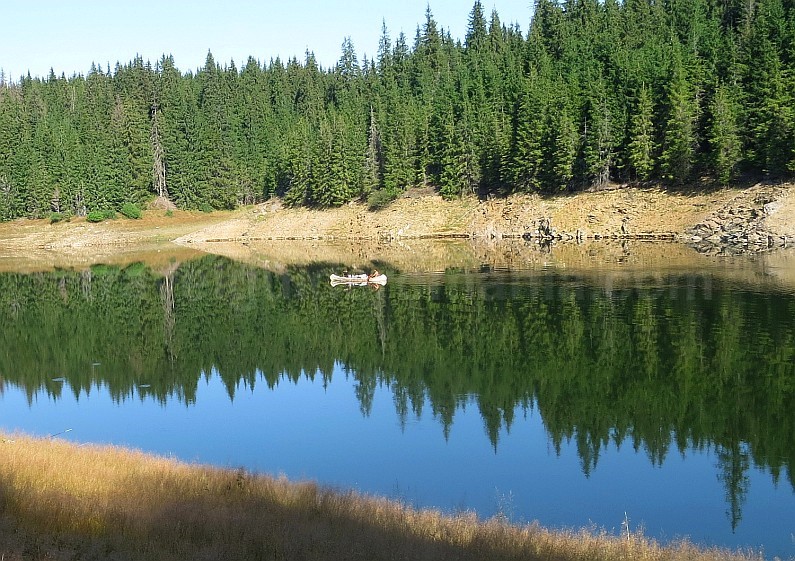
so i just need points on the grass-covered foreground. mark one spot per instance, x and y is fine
(59, 500)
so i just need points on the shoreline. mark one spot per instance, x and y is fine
(627, 226)
(751, 219)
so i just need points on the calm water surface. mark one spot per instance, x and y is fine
(530, 395)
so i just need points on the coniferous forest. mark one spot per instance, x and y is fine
(594, 91)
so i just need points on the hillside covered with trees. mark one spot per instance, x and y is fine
(669, 90)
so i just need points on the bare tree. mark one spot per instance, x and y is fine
(158, 156)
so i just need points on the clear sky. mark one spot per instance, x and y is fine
(68, 35)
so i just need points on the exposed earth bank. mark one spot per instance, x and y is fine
(752, 219)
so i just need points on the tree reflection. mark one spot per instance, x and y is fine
(665, 369)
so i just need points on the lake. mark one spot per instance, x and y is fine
(662, 400)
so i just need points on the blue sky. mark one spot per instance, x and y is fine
(68, 36)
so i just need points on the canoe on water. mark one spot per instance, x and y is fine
(358, 280)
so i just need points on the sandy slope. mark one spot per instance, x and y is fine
(394, 231)
(619, 212)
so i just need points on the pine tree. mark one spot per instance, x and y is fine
(562, 146)
(385, 63)
(159, 182)
(598, 136)
(772, 118)
(374, 160)
(176, 119)
(348, 65)
(477, 35)
(452, 178)
(724, 138)
(526, 157)
(10, 139)
(679, 139)
(641, 136)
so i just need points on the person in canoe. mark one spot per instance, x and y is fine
(374, 274)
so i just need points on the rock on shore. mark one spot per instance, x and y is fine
(753, 223)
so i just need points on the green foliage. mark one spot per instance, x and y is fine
(599, 138)
(526, 163)
(56, 217)
(96, 216)
(593, 91)
(679, 139)
(131, 210)
(724, 135)
(641, 136)
(380, 199)
(561, 150)
(205, 207)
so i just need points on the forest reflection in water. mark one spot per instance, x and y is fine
(687, 364)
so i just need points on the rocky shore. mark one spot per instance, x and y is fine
(743, 226)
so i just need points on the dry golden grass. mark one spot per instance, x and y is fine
(63, 501)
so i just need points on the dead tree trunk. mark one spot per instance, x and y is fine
(158, 156)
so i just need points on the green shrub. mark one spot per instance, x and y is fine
(65, 216)
(136, 269)
(205, 207)
(379, 199)
(130, 210)
(95, 216)
(169, 213)
(109, 214)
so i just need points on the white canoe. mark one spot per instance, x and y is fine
(358, 280)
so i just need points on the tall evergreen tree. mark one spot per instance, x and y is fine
(598, 135)
(679, 138)
(561, 148)
(724, 137)
(526, 158)
(641, 136)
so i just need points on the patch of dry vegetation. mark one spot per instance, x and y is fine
(35, 245)
(63, 501)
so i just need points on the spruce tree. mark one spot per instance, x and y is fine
(374, 159)
(724, 138)
(598, 135)
(679, 138)
(561, 142)
(453, 175)
(526, 157)
(641, 147)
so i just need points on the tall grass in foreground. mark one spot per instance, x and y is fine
(63, 501)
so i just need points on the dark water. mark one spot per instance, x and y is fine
(668, 405)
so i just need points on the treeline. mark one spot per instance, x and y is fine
(594, 91)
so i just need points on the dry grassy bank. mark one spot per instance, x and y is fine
(62, 501)
(624, 214)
